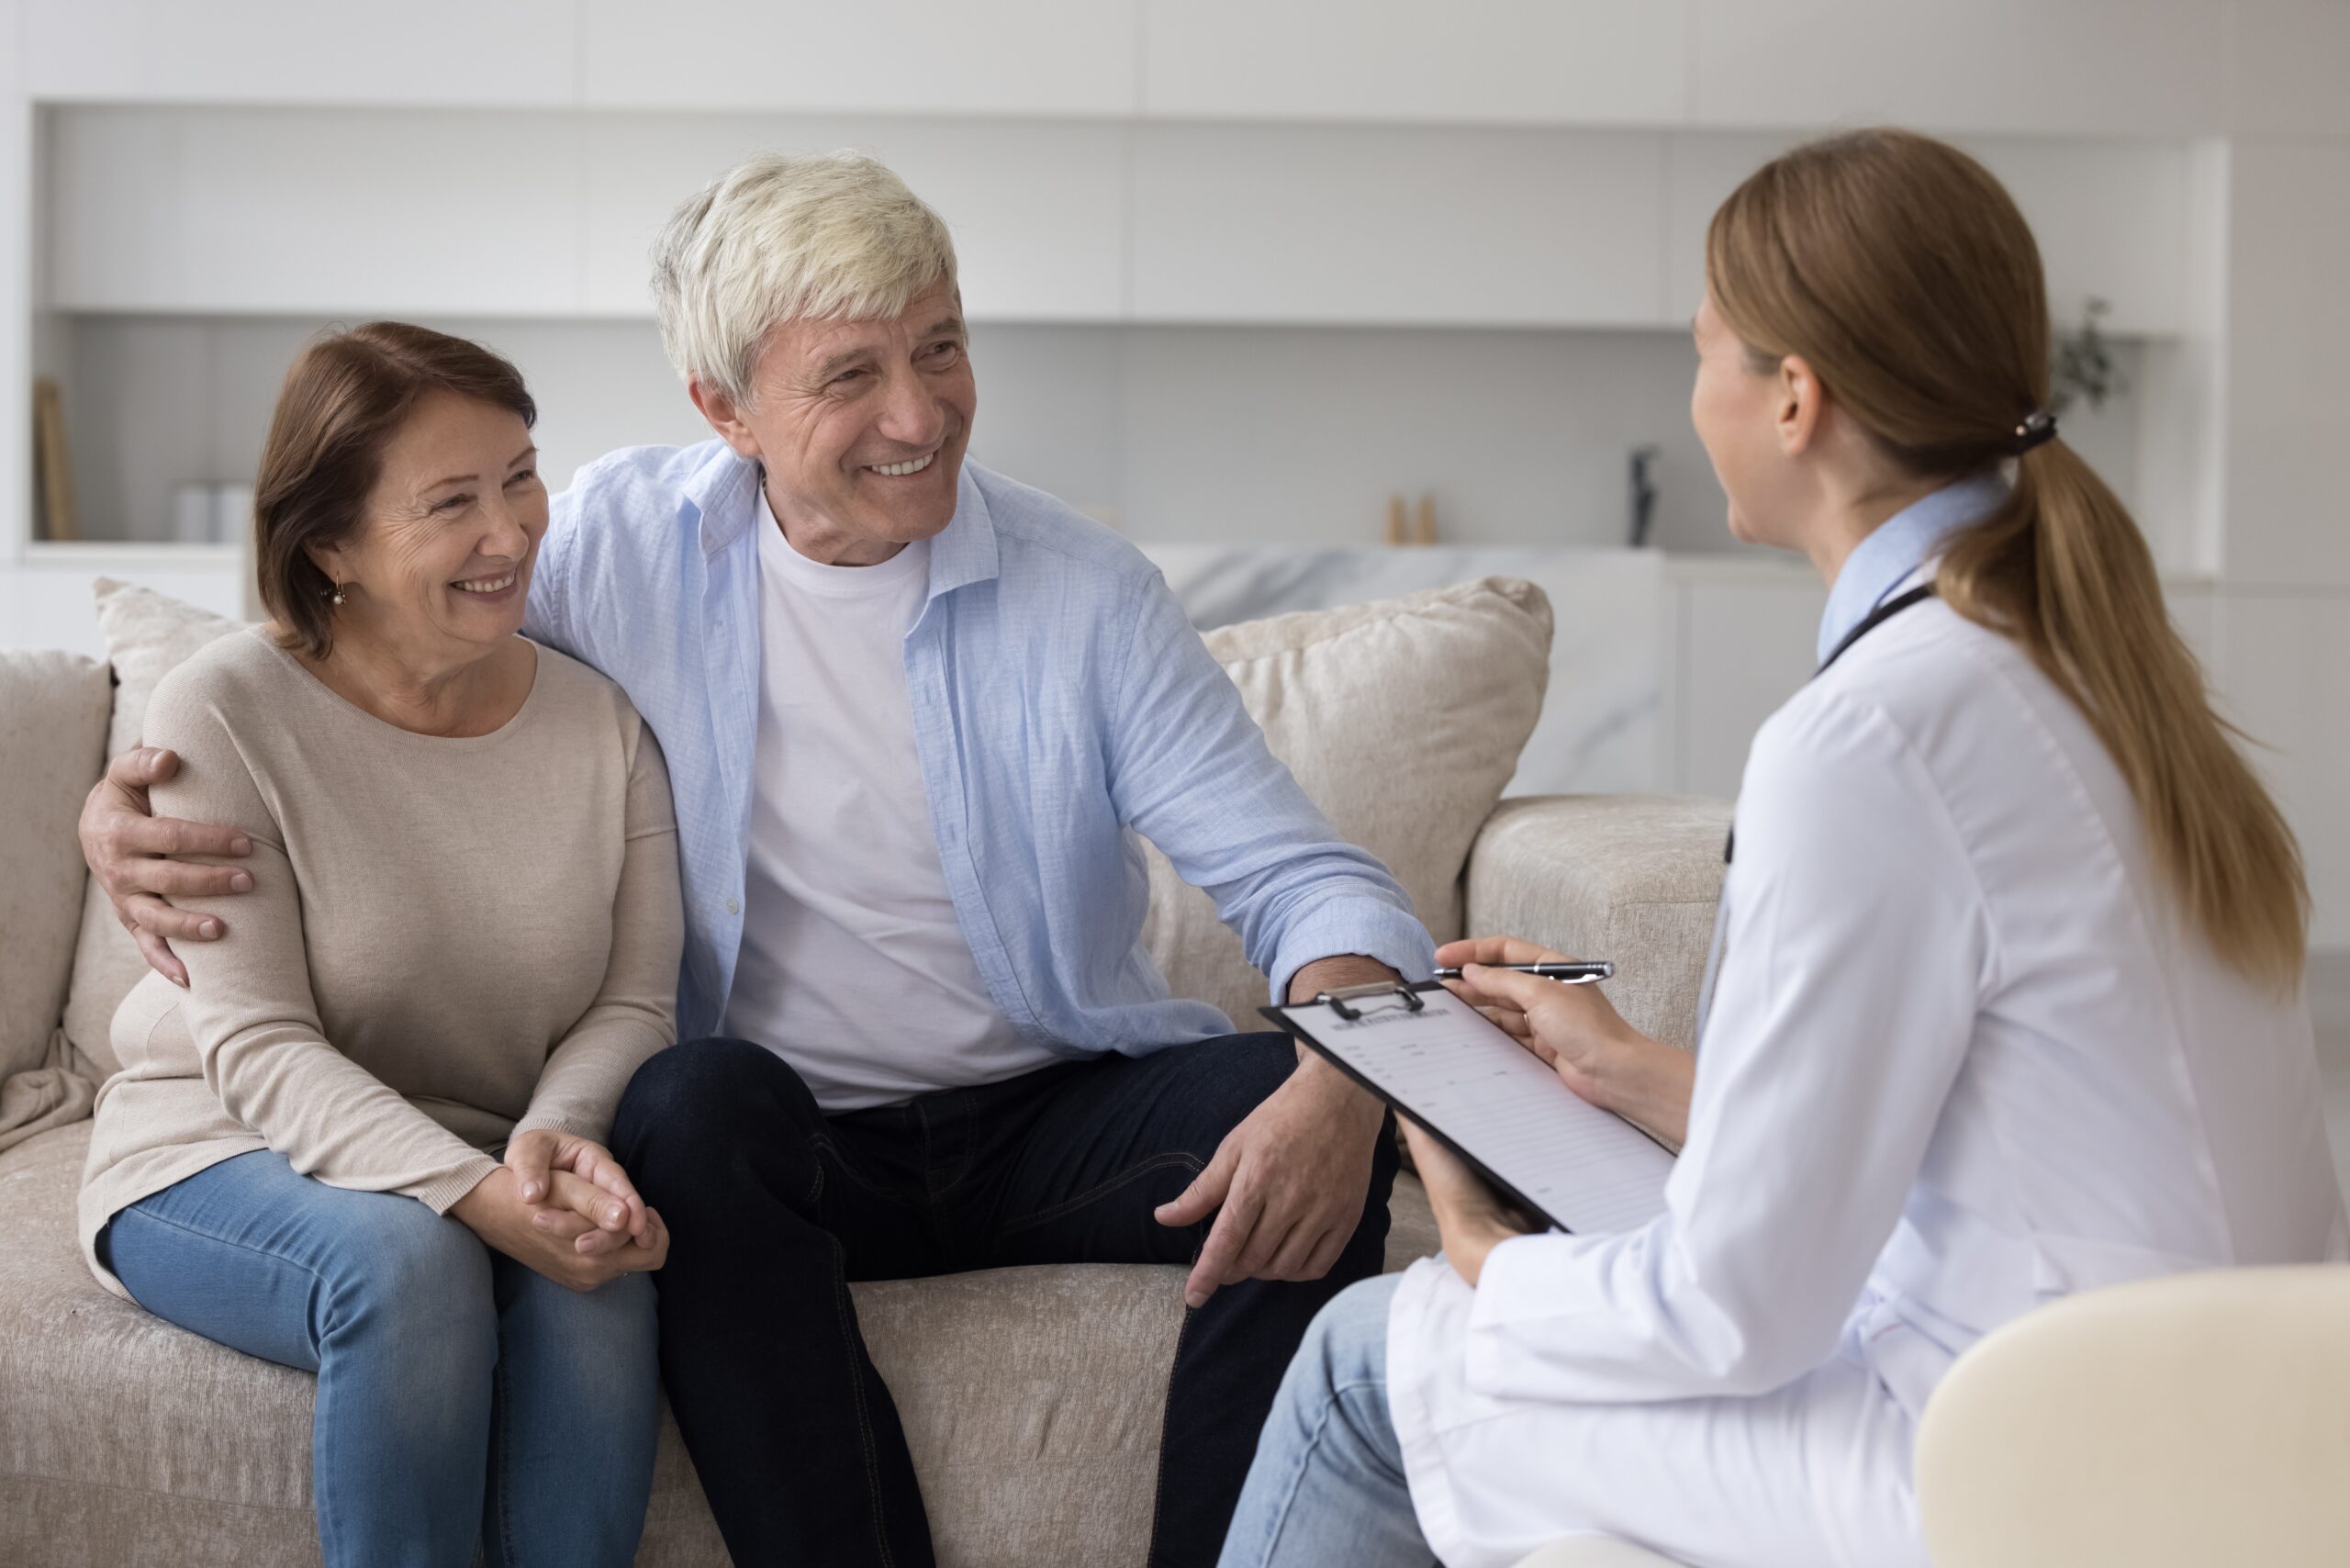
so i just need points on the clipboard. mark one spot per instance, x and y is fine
(1502, 1110)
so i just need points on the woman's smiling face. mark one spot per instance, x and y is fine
(440, 566)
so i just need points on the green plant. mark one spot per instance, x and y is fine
(2082, 366)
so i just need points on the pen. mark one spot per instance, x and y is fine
(1569, 974)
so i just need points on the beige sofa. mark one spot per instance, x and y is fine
(1032, 1397)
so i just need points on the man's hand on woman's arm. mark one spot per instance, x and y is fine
(1577, 1031)
(131, 853)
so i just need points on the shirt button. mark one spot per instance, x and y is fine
(733, 906)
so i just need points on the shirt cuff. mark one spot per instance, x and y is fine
(1526, 1278)
(569, 1126)
(1368, 926)
(442, 1194)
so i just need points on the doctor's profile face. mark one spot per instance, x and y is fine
(1739, 405)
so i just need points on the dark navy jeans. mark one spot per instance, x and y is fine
(773, 1207)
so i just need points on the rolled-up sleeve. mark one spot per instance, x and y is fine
(1857, 951)
(1190, 770)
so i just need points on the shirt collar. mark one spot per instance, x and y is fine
(724, 494)
(727, 497)
(966, 552)
(1898, 546)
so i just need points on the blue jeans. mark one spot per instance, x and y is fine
(461, 1394)
(1327, 1487)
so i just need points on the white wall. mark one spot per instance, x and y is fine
(1204, 434)
(1150, 176)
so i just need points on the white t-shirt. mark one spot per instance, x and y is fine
(854, 968)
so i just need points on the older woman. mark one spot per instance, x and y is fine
(439, 957)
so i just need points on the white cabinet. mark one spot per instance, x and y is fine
(1038, 210)
(2079, 67)
(2112, 218)
(1525, 62)
(48, 601)
(2287, 59)
(2284, 664)
(1016, 57)
(293, 211)
(1382, 225)
(514, 54)
(2288, 403)
(186, 208)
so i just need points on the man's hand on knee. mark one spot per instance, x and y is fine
(1287, 1186)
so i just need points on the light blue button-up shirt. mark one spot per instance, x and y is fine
(1062, 704)
(1898, 546)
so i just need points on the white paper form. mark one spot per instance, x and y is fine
(1454, 1072)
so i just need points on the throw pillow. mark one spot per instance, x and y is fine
(147, 634)
(1403, 720)
(52, 737)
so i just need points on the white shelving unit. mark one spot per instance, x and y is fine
(1115, 169)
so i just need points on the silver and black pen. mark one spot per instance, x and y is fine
(1568, 974)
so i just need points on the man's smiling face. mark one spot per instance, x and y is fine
(861, 425)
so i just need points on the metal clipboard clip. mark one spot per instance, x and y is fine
(1387, 990)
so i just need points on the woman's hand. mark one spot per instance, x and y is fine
(1471, 1218)
(1578, 1032)
(593, 1223)
(494, 1211)
(538, 1156)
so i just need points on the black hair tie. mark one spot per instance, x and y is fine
(2037, 428)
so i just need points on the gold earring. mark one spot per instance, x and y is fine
(336, 596)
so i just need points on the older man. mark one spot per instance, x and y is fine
(914, 715)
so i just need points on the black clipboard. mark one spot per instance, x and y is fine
(1353, 1003)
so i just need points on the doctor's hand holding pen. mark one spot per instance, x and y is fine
(1586, 1043)
(1575, 1028)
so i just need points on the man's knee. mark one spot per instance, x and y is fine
(701, 1088)
(1232, 1076)
(705, 1126)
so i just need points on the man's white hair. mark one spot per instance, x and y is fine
(780, 238)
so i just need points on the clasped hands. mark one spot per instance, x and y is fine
(561, 1205)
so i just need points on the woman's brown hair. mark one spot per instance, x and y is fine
(345, 396)
(1899, 268)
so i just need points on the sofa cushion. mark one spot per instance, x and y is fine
(1031, 1399)
(148, 633)
(1634, 878)
(1468, 663)
(54, 710)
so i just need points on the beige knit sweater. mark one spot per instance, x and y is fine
(448, 940)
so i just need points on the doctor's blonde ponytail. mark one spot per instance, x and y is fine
(1899, 268)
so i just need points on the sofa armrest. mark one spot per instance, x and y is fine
(2196, 1419)
(1633, 879)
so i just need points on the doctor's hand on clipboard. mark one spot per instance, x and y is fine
(1585, 1041)
(1577, 1031)
(1472, 1220)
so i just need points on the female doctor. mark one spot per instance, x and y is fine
(2007, 998)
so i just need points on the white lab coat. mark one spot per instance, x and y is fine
(1964, 1057)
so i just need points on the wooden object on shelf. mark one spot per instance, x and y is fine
(1395, 535)
(57, 521)
(1426, 532)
